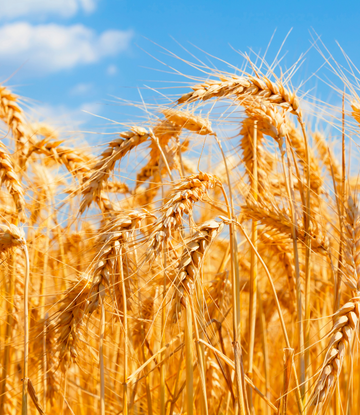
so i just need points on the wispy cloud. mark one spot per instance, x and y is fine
(43, 8)
(60, 114)
(50, 48)
(111, 70)
(81, 89)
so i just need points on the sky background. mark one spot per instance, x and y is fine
(69, 56)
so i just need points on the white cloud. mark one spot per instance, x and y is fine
(65, 116)
(81, 89)
(91, 107)
(41, 8)
(52, 47)
(111, 70)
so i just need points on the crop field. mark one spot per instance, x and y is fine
(201, 260)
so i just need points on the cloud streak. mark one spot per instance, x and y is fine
(43, 8)
(52, 47)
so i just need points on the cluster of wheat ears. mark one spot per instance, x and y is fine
(206, 262)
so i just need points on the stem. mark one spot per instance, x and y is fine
(200, 356)
(24, 405)
(163, 320)
(176, 386)
(288, 357)
(253, 270)
(156, 141)
(307, 220)
(283, 326)
(46, 322)
(235, 287)
(125, 369)
(300, 328)
(8, 332)
(189, 359)
(264, 347)
(101, 353)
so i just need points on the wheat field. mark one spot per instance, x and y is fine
(203, 261)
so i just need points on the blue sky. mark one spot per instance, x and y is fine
(66, 56)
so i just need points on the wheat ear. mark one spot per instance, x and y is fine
(116, 150)
(12, 115)
(113, 236)
(9, 177)
(347, 318)
(69, 322)
(191, 261)
(297, 142)
(241, 87)
(191, 122)
(328, 157)
(274, 218)
(190, 190)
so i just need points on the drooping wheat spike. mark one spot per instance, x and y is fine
(241, 87)
(355, 110)
(190, 190)
(328, 157)
(264, 165)
(11, 236)
(218, 294)
(347, 318)
(276, 218)
(351, 224)
(297, 142)
(271, 120)
(185, 119)
(48, 328)
(12, 115)
(213, 384)
(11, 403)
(143, 324)
(9, 177)
(44, 130)
(343, 330)
(117, 187)
(105, 275)
(20, 269)
(116, 150)
(164, 131)
(192, 260)
(280, 245)
(77, 162)
(70, 320)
